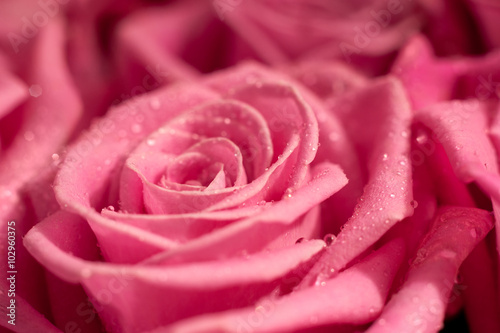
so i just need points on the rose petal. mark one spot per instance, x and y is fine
(421, 302)
(12, 92)
(88, 168)
(27, 318)
(234, 120)
(416, 65)
(151, 43)
(300, 119)
(160, 200)
(45, 126)
(486, 12)
(387, 196)
(185, 285)
(340, 152)
(481, 304)
(355, 296)
(257, 232)
(462, 129)
(327, 79)
(184, 227)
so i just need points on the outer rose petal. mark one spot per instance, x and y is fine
(421, 303)
(426, 80)
(113, 287)
(47, 123)
(429, 80)
(48, 119)
(280, 32)
(387, 196)
(150, 43)
(354, 296)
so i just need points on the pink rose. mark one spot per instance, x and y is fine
(190, 180)
(155, 177)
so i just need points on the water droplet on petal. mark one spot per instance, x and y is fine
(434, 306)
(414, 203)
(329, 238)
(150, 142)
(155, 103)
(300, 240)
(35, 90)
(448, 254)
(55, 157)
(111, 208)
(422, 138)
(385, 157)
(392, 195)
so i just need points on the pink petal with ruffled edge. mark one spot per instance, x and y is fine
(426, 79)
(184, 227)
(355, 296)
(169, 292)
(462, 127)
(230, 119)
(280, 220)
(330, 81)
(387, 196)
(421, 303)
(429, 79)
